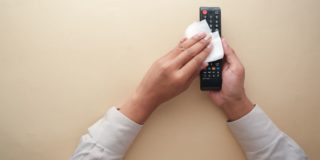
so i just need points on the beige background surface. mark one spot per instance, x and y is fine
(64, 63)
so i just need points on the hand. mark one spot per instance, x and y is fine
(232, 98)
(168, 76)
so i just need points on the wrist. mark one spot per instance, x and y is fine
(143, 102)
(237, 109)
(138, 108)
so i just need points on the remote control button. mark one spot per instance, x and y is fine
(213, 68)
(217, 12)
(204, 12)
(217, 17)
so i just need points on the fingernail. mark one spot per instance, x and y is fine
(183, 39)
(205, 64)
(201, 35)
(225, 42)
(208, 37)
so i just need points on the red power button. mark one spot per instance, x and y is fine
(204, 11)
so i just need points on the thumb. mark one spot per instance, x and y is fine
(230, 55)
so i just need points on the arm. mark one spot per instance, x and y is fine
(111, 136)
(258, 136)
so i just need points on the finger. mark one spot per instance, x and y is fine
(204, 65)
(194, 50)
(194, 39)
(183, 40)
(196, 74)
(233, 62)
(225, 66)
(178, 49)
(175, 51)
(194, 64)
(230, 56)
(184, 44)
(213, 94)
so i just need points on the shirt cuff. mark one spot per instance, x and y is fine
(115, 132)
(255, 130)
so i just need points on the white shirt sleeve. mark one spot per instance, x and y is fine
(107, 139)
(260, 138)
(110, 137)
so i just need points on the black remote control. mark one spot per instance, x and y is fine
(211, 77)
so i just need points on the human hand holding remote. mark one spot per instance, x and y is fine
(232, 98)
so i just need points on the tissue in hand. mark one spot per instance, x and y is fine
(202, 26)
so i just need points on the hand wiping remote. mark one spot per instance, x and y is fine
(202, 26)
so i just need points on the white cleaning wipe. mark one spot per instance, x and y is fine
(197, 27)
(217, 52)
(202, 26)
